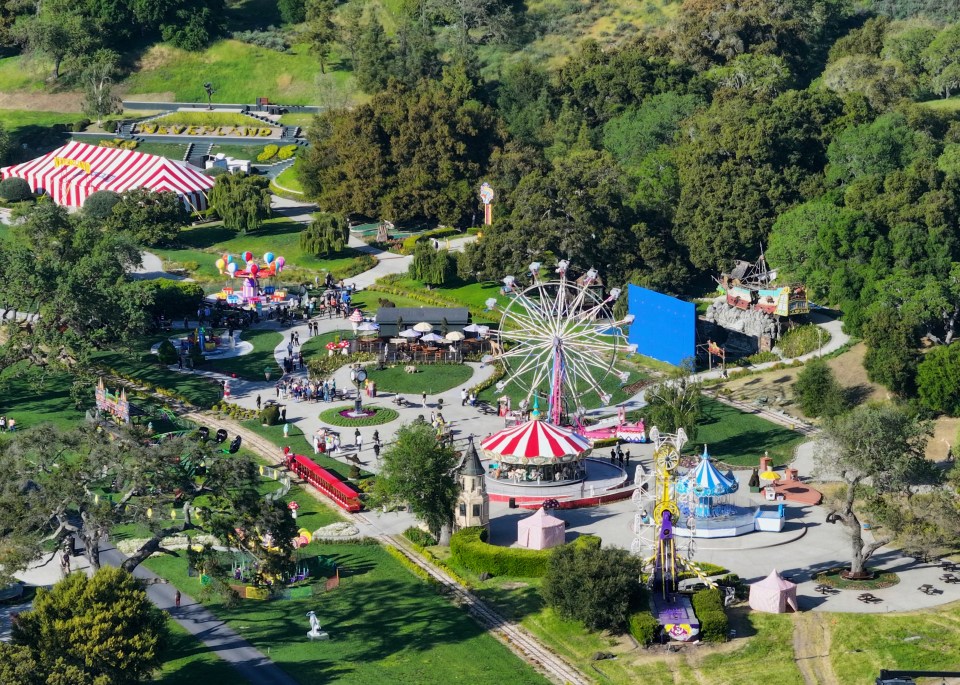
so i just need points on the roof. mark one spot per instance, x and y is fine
(535, 442)
(775, 582)
(74, 171)
(414, 315)
(707, 480)
(542, 519)
(471, 462)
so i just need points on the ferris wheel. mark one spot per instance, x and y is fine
(559, 335)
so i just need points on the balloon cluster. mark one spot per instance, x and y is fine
(273, 265)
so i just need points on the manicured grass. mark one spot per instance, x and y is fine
(174, 151)
(865, 643)
(32, 398)
(383, 415)
(144, 368)
(386, 625)
(250, 366)
(943, 105)
(289, 179)
(431, 378)
(13, 119)
(472, 295)
(318, 343)
(741, 439)
(239, 151)
(304, 121)
(188, 660)
(298, 442)
(239, 72)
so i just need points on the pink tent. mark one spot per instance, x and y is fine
(541, 531)
(773, 594)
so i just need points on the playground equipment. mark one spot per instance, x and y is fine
(750, 286)
(251, 293)
(115, 404)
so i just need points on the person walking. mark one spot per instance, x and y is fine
(376, 437)
(463, 397)
(423, 397)
(258, 402)
(376, 450)
(359, 442)
(613, 455)
(176, 599)
(283, 414)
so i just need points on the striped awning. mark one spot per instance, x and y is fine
(73, 172)
(707, 481)
(535, 442)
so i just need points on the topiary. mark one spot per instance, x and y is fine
(80, 125)
(643, 627)
(287, 151)
(110, 126)
(15, 190)
(100, 204)
(167, 353)
(268, 153)
(354, 473)
(270, 415)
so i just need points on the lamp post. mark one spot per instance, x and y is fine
(210, 91)
(358, 376)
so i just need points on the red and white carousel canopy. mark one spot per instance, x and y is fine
(535, 442)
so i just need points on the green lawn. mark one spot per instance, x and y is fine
(205, 119)
(169, 150)
(304, 121)
(240, 73)
(289, 178)
(386, 626)
(239, 151)
(203, 245)
(472, 295)
(943, 105)
(250, 366)
(432, 378)
(31, 397)
(142, 366)
(317, 344)
(188, 660)
(741, 439)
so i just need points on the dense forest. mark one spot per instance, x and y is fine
(817, 129)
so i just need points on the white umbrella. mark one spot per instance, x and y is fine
(432, 337)
(368, 326)
(409, 333)
(472, 328)
(423, 327)
(454, 336)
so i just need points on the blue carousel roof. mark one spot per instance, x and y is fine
(706, 480)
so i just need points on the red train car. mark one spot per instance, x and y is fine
(343, 494)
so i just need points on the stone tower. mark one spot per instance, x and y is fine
(473, 504)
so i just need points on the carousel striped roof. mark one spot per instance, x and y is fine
(535, 439)
(707, 480)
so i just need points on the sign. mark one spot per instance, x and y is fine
(66, 161)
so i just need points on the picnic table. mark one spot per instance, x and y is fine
(927, 589)
(949, 578)
(868, 598)
(825, 589)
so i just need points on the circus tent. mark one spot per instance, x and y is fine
(773, 594)
(535, 442)
(541, 531)
(707, 484)
(73, 172)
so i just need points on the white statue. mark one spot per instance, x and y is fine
(315, 632)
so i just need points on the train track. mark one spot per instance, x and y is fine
(509, 633)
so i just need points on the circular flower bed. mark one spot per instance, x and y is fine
(339, 416)
(834, 578)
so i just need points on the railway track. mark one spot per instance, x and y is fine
(509, 633)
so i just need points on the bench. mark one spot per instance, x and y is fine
(868, 598)
(927, 589)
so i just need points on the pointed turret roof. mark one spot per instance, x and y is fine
(471, 462)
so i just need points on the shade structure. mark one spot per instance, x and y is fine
(535, 442)
(433, 337)
(423, 327)
(707, 481)
(541, 531)
(454, 336)
(356, 317)
(72, 173)
(409, 333)
(368, 326)
(476, 328)
(774, 594)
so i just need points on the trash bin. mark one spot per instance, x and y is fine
(513, 503)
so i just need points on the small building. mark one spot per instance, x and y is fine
(473, 503)
(222, 161)
(444, 320)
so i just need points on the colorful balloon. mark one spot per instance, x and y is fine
(280, 263)
(247, 256)
(229, 259)
(221, 265)
(268, 258)
(254, 269)
(232, 267)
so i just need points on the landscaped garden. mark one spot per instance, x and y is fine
(432, 379)
(373, 416)
(740, 439)
(250, 366)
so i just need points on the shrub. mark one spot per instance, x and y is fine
(419, 537)
(167, 353)
(762, 358)
(410, 243)
(270, 415)
(708, 606)
(110, 126)
(817, 391)
(216, 171)
(268, 152)
(802, 340)
(100, 204)
(271, 38)
(80, 125)
(15, 190)
(354, 473)
(468, 548)
(643, 627)
(287, 151)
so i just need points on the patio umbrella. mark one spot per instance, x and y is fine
(770, 475)
(409, 333)
(368, 326)
(423, 327)
(472, 328)
(454, 336)
(432, 337)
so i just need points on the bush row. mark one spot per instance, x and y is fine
(119, 143)
(708, 606)
(409, 243)
(404, 561)
(322, 366)
(234, 411)
(468, 548)
(643, 626)
(492, 380)
(419, 537)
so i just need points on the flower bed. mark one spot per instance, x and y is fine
(153, 129)
(834, 578)
(337, 417)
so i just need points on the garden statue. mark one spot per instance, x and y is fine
(315, 632)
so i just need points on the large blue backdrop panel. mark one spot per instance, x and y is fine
(664, 327)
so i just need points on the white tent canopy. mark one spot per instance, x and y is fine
(541, 531)
(773, 594)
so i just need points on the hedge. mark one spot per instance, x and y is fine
(419, 537)
(15, 189)
(643, 627)
(708, 606)
(468, 548)
(270, 415)
(409, 243)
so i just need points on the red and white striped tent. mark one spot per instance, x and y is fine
(70, 174)
(535, 442)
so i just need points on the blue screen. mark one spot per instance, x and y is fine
(664, 327)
